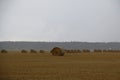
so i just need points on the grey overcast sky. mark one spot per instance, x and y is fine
(60, 20)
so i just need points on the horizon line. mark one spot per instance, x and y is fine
(68, 41)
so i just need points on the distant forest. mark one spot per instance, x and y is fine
(66, 45)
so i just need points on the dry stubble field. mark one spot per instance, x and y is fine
(44, 66)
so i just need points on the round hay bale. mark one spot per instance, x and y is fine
(3, 51)
(86, 50)
(33, 51)
(97, 50)
(56, 51)
(23, 51)
(42, 51)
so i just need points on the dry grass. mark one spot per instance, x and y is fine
(83, 66)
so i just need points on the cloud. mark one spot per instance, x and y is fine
(61, 20)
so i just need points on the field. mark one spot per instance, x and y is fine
(43, 66)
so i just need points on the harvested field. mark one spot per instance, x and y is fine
(44, 66)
